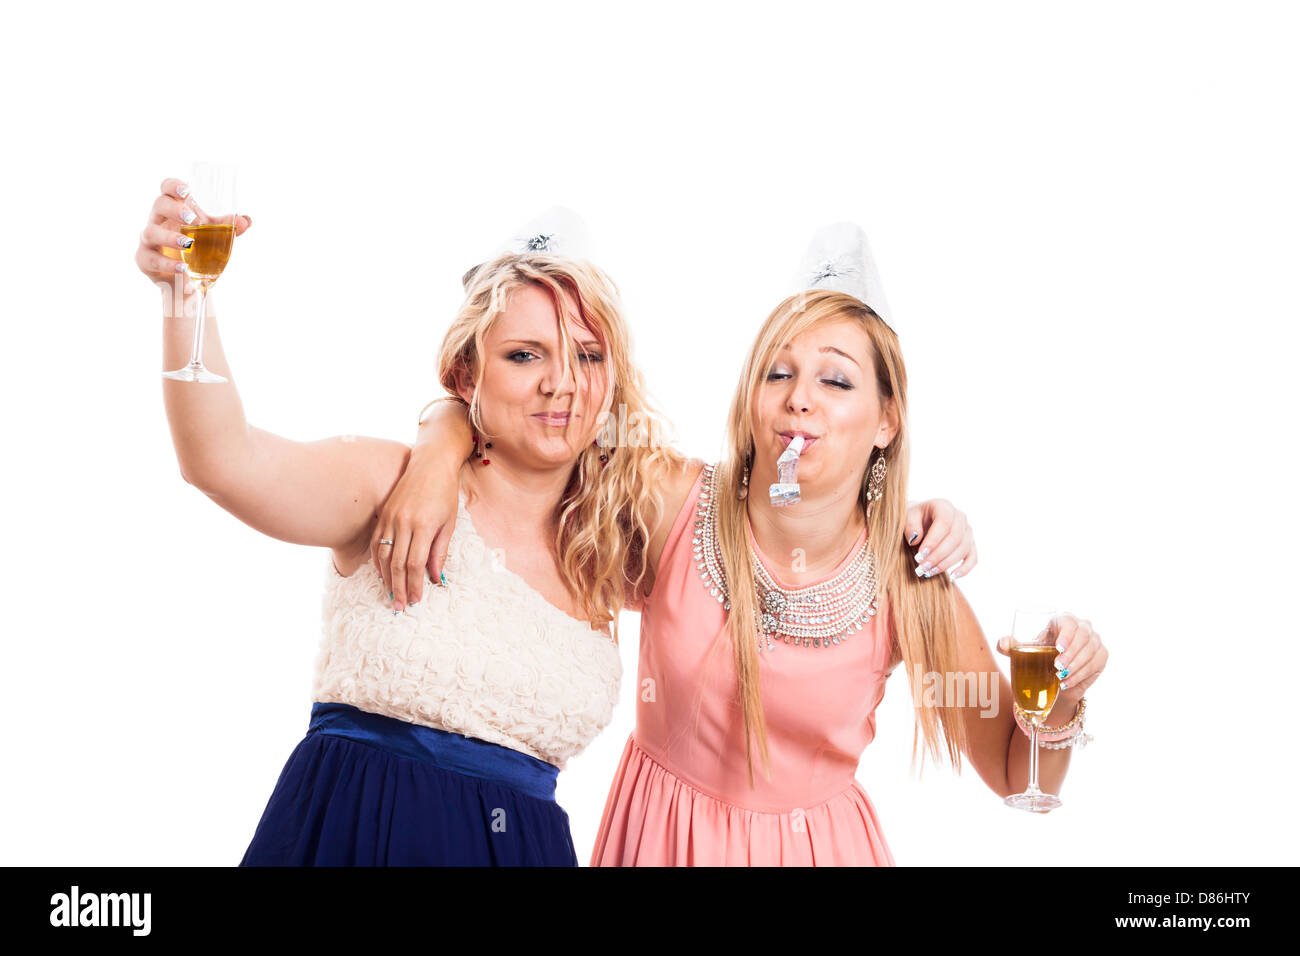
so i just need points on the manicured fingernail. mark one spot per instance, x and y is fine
(183, 190)
(188, 216)
(954, 574)
(413, 604)
(923, 568)
(184, 242)
(390, 595)
(1064, 684)
(1063, 673)
(925, 553)
(180, 267)
(442, 575)
(1060, 648)
(912, 539)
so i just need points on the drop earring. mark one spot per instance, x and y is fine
(876, 482)
(743, 493)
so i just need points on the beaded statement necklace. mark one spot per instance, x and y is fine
(820, 615)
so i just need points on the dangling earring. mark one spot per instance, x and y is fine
(876, 482)
(479, 454)
(743, 493)
(604, 458)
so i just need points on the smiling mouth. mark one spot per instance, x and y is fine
(552, 419)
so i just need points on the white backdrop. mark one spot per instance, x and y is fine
(1085, 219)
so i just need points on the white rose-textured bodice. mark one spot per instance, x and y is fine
(487, 656)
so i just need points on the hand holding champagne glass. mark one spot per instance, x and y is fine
(194, 222)
(1034, 686)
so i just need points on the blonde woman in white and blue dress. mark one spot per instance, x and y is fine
(437, 731)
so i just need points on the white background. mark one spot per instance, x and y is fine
(1085, 216)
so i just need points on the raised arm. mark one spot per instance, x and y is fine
(321, 493)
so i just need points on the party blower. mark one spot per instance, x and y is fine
(785, 491)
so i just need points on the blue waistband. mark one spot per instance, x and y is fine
(443, 749)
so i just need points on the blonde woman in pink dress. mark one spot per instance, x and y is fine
(768, 632)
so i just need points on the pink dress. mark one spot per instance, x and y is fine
(681, 794)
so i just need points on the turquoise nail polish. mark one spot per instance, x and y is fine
(1062, 674)
(442, 575)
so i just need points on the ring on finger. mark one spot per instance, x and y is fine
(387, 541)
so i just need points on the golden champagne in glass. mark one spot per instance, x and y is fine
(213, 200)
(213, 244)
(1034, 686)
(1033, 678)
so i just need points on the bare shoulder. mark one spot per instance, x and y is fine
(678, 480)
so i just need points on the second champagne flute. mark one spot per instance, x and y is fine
(1034, 686)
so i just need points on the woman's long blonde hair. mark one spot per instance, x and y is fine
(606, 512)
(921, 611)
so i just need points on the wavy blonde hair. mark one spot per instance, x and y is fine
(920, 612)
(607, 511)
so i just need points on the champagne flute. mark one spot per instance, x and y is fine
(1034, 686)
(212, 190)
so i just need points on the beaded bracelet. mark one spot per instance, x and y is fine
(1066, 732)
(1077, 738)
(1048, 733)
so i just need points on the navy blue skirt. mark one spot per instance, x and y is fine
(363, 789)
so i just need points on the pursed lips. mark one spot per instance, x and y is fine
(808, 440)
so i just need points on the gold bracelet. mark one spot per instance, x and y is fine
(1078, 716)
